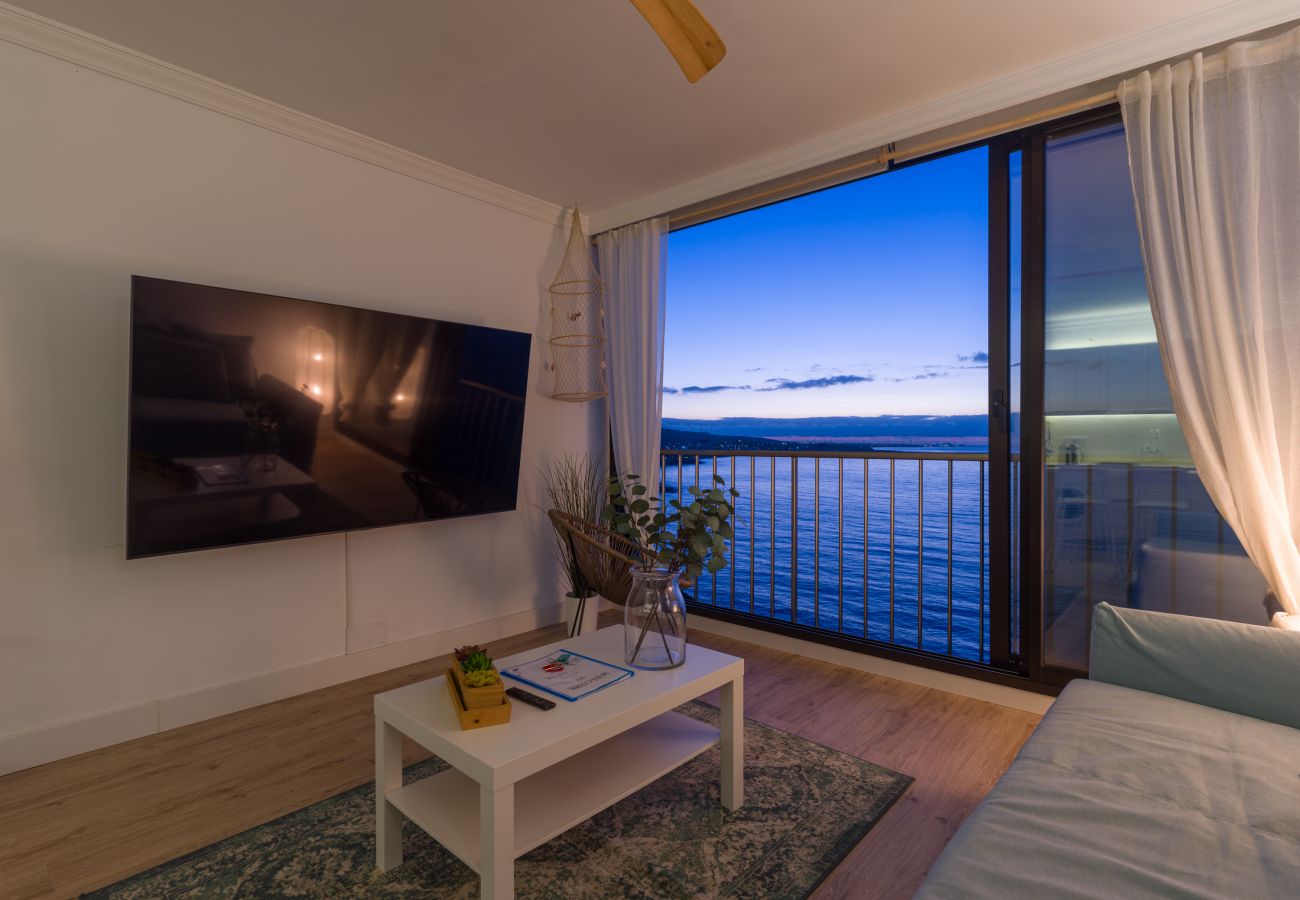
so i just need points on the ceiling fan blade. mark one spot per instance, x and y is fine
(687, 35)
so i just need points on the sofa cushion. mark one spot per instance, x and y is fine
(1124, 793)
(1249, 669)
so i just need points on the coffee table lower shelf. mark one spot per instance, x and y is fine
(446, 805)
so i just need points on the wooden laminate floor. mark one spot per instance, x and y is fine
(85, 822)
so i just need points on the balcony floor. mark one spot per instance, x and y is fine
(80, 823)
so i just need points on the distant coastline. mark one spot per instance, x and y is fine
(675, 439)
(829, 434)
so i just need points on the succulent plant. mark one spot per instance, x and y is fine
(482, 678)
(476, 666)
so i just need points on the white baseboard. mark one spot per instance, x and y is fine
(943, 681)
(42, 745)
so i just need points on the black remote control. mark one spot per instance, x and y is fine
(524, 696)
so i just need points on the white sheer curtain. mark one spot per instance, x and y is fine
(1214, 149)
(633, 262)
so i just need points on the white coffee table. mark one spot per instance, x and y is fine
(513, 787)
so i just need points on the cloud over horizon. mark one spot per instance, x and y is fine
(775, 384)
(706, 388)
(786, 384)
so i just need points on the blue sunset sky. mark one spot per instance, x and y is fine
(865, 299)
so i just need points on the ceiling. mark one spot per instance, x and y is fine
(576, 100)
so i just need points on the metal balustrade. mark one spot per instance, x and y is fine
(893, 546)
(828, 549)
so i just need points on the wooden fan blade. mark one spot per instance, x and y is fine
(687, 35)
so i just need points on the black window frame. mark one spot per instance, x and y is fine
(1026, 669)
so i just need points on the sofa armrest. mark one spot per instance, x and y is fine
(1248, 669)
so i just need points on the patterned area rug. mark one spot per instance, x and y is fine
(805, 807)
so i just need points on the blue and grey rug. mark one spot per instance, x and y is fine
(806, 806)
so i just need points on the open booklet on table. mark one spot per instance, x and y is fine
(568, 675)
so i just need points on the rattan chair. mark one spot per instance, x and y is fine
(605, 558)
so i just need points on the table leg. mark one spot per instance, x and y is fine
(733, 744)
(497, 843)
(388, 777)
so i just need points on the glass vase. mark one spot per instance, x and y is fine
(261, 447)
(654, 620)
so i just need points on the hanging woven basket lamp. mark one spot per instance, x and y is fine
(577, 323)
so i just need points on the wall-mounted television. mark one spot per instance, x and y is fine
(256, 418)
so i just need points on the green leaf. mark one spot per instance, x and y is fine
(640, 506)
(718, 479)
(716, 564)
(639, 489)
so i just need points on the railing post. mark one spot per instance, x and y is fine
(753, 502)
(866, 546)
(1173, 538)
(713, 576)
(950, 557)
(980, 653)
(891, 550)
(794, 538)
(732, 545)
(771, 547)
(839, 543)
(920, 551)
(817, 542)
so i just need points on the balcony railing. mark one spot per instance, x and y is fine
(894, 547)
(882, 546)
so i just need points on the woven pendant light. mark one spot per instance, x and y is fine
(577, 323)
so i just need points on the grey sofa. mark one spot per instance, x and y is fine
(1173, 771)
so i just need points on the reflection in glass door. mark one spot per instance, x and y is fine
(1125, 518)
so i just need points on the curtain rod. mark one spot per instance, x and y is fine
(888, 155)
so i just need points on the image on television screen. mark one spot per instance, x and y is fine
(255, 418)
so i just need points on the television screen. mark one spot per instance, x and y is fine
(255, 418)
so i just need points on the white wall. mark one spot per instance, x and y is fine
(100, 179)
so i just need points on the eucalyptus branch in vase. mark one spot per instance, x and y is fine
(685, 537)
(689, 535)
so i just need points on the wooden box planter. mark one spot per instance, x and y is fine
(498, 714)
(479, 697)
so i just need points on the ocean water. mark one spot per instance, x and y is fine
(837, 564)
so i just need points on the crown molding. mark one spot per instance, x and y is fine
(1109, 61)
(26, 29)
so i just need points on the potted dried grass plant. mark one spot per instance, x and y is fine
(575, 485)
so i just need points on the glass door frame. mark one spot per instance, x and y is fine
(1033, 143)
(1000, 405)
(1015, 635)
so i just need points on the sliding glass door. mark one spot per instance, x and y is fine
(939, 392)
(1125, 520)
